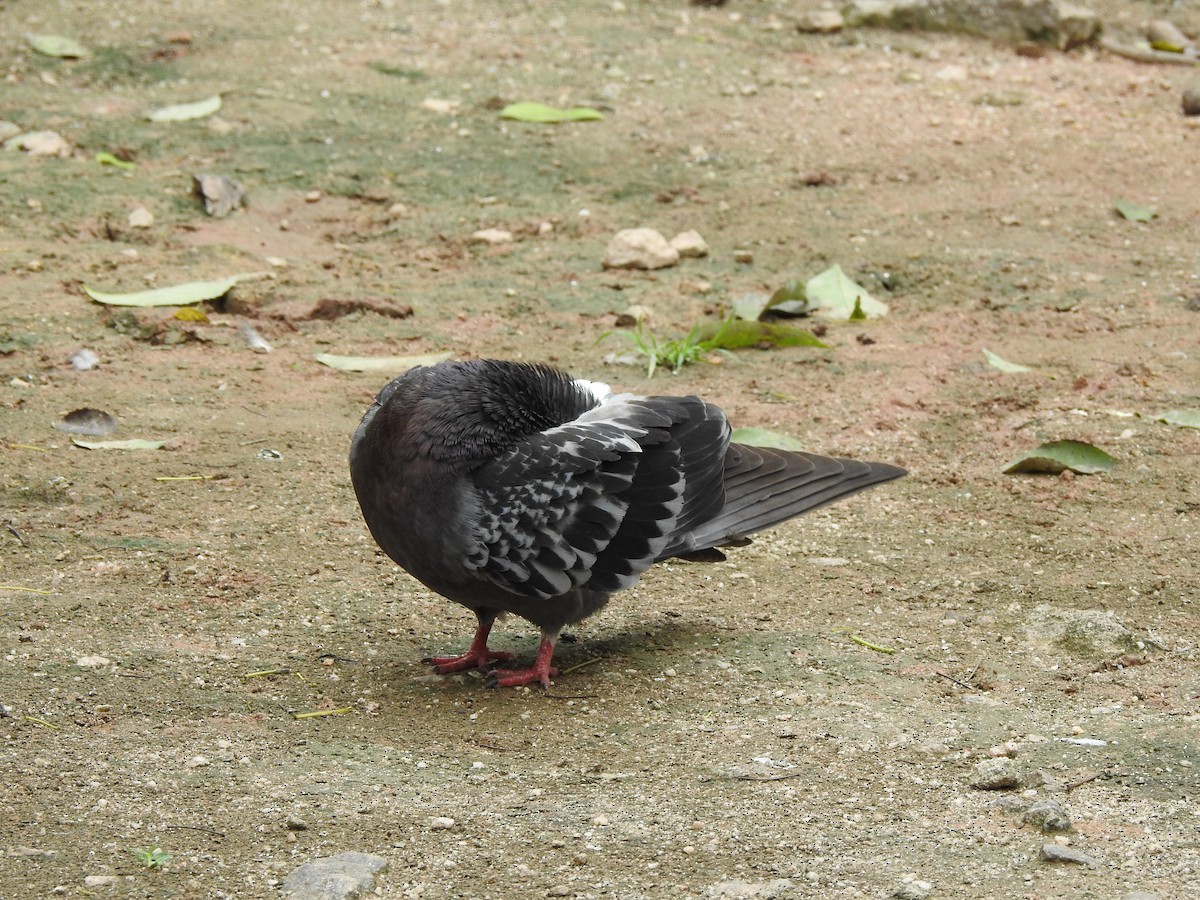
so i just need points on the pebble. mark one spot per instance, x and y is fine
(690, 244)
(734, 889)
(1059, 853)
(95, 881)
(1048, 815)
(441, 823)
(912, 888)
(745, 257)
(140, 217)
(820, 21)
(998, 774)
(40, 143)
(639, 248)
(197, 762)
(83, 360)
(338, 877)
(559, 890)
(492, 236)
(92, 662)
(1191, 101)
(294, 823)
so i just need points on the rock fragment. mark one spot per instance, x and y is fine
(1047, 815)
(340, 877)
(1060, 853)
(997, 774)
(689, 244)
(639, 248)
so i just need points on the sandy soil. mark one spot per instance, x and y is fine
(728, 736)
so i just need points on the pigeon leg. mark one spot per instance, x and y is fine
(540, 673)
(477, 656)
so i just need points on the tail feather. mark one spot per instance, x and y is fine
(764, 487)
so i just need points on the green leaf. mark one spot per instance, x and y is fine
(857, 315)
(834, 295)
(396, 364)
(1184, 418)
(58, 46)
(761, 437)
(134, 444)
(749, 307)
(791, 299)
(182, 112)
(397, 71)
(1134, 212)
(734, 334)
(1002, 364)
(107, 159)
(175, 295)
(539, 112)
(1058, 456)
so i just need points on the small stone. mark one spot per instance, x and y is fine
(40, 143)
(492, 236)
(600, 820)
(820, 21)
(995, 775)
(559, 890)
(396, 210)
(745, 257)
(1048, 815)
(441, 823)
(1141, 895)
(96, 881)
(912, 888)
(735, 889)
(313, 197)
(197, 762)
(220, 193)
(92, 662)
(545, 228)
(639, 248)
(292, 823)
(690, 244)
(340, 877)
(1191, 101)
(140, 217)
(438, 105)
(84, 360)
(634, 315)
(1059, 853)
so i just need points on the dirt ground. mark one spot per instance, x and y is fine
(728, 736)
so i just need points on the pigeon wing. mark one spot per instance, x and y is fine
(592, 504)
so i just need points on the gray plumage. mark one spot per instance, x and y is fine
(513, 488)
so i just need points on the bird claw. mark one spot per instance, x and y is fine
(500, 678)
(472, 659)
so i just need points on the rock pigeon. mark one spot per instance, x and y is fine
(514, 488)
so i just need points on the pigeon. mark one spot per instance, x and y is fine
(513, 488)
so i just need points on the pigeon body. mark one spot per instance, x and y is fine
(514, 488)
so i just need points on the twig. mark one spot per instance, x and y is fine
(17, 535)
(317, 713)
(780, 777)
(578, 666)
(962, 684)
(1080, 782)
(35, 720)
(863, 642)
(25, 590)
(1147, 55)
(185, 477)
(263, 672)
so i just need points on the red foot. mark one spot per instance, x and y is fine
(472, 659)
(540, 673)
(477, 656)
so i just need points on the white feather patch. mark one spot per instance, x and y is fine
(597, 389)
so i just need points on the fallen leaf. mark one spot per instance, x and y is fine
(1002, 364)
(735, 334)
(134, 444)
(397, 364)
(175, 295)
(834, 295)
(1184, 418)
(1059, 456)
(57, 45)
(539, 112)
(1134, 212)
(761, 437)
(183, 112)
